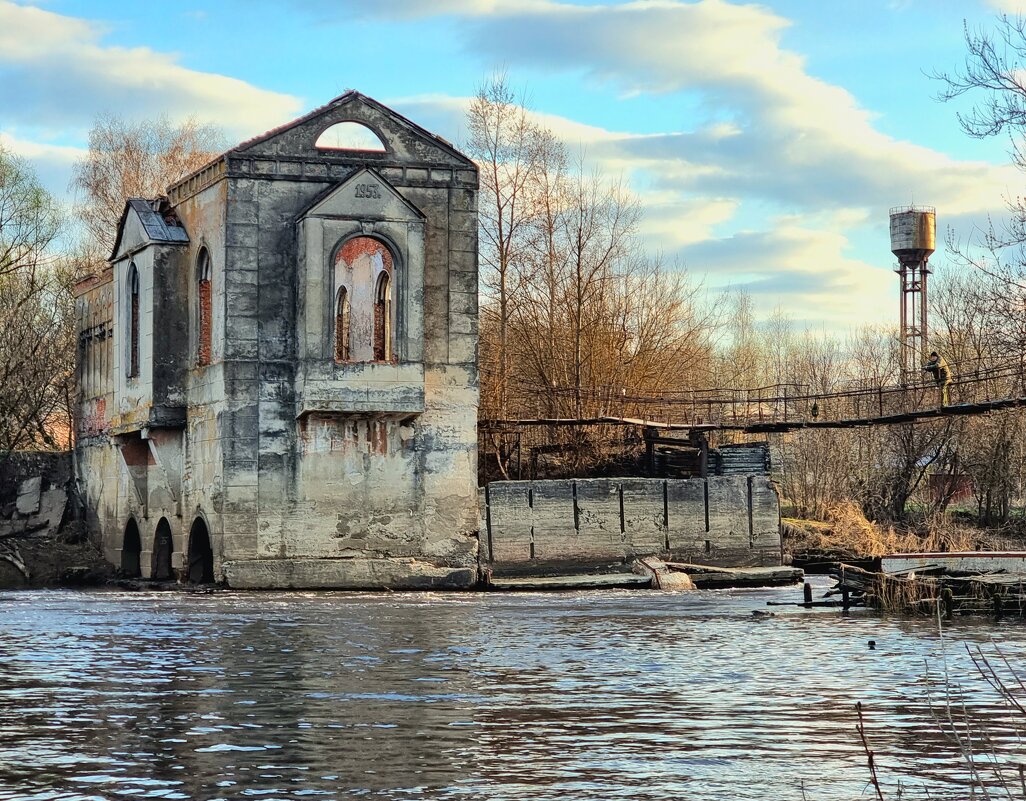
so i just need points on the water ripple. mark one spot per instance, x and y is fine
(617, 695)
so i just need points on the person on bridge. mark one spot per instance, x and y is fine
(941, 374)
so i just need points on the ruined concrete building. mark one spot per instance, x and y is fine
(278, 369)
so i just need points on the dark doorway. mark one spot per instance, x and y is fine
(130, 550)
(163, 547)
(201, 555)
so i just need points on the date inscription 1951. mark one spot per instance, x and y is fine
(368, 190)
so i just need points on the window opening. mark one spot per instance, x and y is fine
(133, 322)
(342, 326)
(131, 548)
(383, 319)
(350, 136)
(203, 356)
(163, 548)
(364, 319)
(201, 555)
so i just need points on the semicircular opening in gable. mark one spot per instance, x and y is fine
(350, 136)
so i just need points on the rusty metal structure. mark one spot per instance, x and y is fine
(639, 421)
(913, 241)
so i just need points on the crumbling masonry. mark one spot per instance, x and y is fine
(278, 369)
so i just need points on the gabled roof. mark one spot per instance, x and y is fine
(351, 97)
(343, 99)
(157, 220)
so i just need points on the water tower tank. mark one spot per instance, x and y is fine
(913, 233)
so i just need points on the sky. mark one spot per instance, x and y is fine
(765, 141)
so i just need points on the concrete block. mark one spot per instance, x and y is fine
(765, 517)
(28, 496)
(556, 538)
(728, 512)
(686, 514)
(242, 258)
(598, 534)
(463, 200)
(242, 235)
(465, 282)
(643, 514)
(462, 302)
(466, 242)
(462, 349)
(508, 538)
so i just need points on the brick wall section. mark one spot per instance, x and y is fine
(205, 316)
(730, 521)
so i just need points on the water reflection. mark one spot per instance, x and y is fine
(588, 696)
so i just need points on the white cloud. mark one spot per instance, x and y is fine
(791, 138)
(55, 70)
(412, 9)
(52, 163)
(1008, 6)
(697, 187)
(807, 270)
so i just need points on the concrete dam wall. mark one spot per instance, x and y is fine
(730, 521)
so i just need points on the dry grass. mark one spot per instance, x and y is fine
(847, 531)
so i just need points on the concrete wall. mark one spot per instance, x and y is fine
(722, 520)
(307, 473)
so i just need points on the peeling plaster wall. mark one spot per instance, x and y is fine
(203, 464)
(370, 461)
(307, 472)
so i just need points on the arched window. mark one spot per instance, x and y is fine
(201, 556)
(133, 321)
(342, 325)
(383, 318)
(364, 318)
(130, 550)
(204, 317)
(163, 549)
(350, 136)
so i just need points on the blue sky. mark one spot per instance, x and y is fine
(766, 141)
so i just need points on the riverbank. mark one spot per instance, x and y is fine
(847, 536)
(62, 558)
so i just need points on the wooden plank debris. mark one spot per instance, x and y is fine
(601, 581)
(923, 588)
(707, 577)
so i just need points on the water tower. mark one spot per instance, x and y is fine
(913, 240)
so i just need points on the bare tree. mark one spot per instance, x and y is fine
(135, 159)
(994, 71)
(598, 226)
(30, 219)
(504, 141)
(37, 359)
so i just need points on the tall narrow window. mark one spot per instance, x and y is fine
(203, 355)
(342, 325)
(364, 267)
(383, 319)
(133, 321)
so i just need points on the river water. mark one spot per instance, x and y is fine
(611, 695)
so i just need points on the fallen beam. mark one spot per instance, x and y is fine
(601, 581)
(707, 576)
